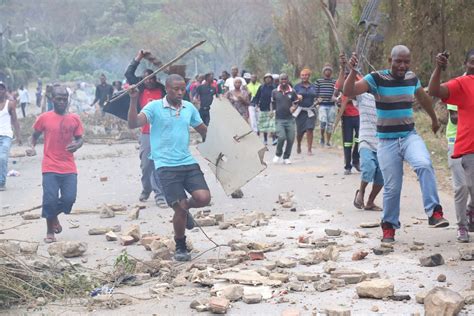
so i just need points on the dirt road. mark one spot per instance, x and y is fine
(323, 197)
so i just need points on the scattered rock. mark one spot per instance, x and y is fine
(296, 286)
(312, 258)
(146, 241)
(420, 297)
(432, 261)
(233, 292)
(468, 297)
(466, 253)
(376, 288)
(67, 249)
(338, 311)
(134, 213)
(416, 248)
(400, 297)
(206, 221)
(104, 230)
(103, 179)
(237, 194)
(285, 197)
(283, 277)
(111, 236)
(256, 255)
(441, 278)
(291, 312)
(106, 212)
(162, 253)
(388, 245)
(443, 301)
(121, 208)
(219, 305)
(369, 225)
(30, 216)
(199, 302)
(323, 286)
(331, 253)
(252, 298)
(248, 277)
(359, 255)
(264, 291)
(375, 309)
(133, 231)
(329, 267)
(127, 240)
(29, 248)
(286, 263)
(382, 251)
(224, 225)
(305, 276)
(41, 301)
(333, 232)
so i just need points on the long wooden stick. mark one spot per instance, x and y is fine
(22, 212)
(159, 69)
(332, 24)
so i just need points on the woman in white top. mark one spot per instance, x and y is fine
(8, 120)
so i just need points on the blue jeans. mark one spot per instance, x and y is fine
(369, 167)
(53, 184)
(5, 143)
(391, 153)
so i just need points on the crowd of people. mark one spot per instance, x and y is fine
(375, 111)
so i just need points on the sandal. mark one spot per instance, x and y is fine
(49, 239)
(357, 205)
(58, 228)
(374, 208)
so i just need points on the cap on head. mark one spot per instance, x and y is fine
(268, 75)
(327, 67)
(247, 75)
(275, 76)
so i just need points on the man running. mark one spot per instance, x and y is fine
(395, 90)
(234, 74)
(176, 168)
(204, 95)
(460, 92)
(103, 93)
(62, 137)
(327, 107)
(8, 125)
(150, 90)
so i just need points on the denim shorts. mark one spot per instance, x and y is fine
(176, 181)
(370, 170)
(327, 116)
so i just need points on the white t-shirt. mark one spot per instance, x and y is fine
(23, 95)
(229, 83)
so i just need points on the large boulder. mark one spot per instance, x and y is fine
(67, 249)
(442, 301)
(376, 288)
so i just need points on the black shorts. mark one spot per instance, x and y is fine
(176, 181)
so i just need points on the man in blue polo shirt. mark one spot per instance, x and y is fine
(395, 90)
(176, 168)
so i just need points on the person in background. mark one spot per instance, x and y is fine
(306, 119)
(9, 127)
(63, 133)
(204, 96)
(47, 104)
(284, 101)
(39, 93)
(229, 83)
(459, 92)
(327, 107)
(150, 90)
(103, 93)
(117, 85)
(239, 98)
(263, 102)
(276, 80)
(252, 88)
(24, 99)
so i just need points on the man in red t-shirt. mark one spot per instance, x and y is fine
(350, 124)
(460, 91)
(149, 91)
(62, 137)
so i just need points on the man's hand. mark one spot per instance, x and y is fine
(133, 92)
(72, 147)
(293, 108)
(435, 126)
(30, 152)
(441, 61)
(354, 61)
(342, 60)
(300, 97)
(141, 54)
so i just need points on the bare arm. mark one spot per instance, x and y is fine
(76, 144)
(14, 121)
(435, 88)
(202, 130)
(134, 119)
(427, 104)
(351, 87)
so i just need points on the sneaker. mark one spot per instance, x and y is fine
(189, 220)
(144, 196)
(287, 161)
(321, 142)
(265, 142)
(437, 219)
(388, 232)
(463, 235)
(181, 253)
(160, 202)
(356, 167)
(276, 159)
(328, 145)
(347, 172)
(470, 219)
(275, 141)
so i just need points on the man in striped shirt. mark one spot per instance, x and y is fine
(327, 108)
(394, 90)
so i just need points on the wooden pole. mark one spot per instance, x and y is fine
(185, 52)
